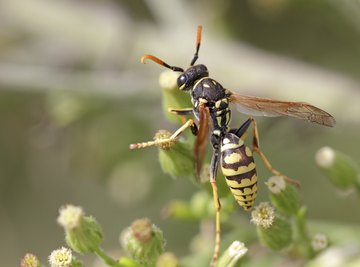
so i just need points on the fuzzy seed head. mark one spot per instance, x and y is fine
(70, 216)
(325, 157)
(61, 257)
(319, 242)
(163, 134)
(276, 184)
(263, 215)
(30, 260)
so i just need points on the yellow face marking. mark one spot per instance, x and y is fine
(203, 100)
(244, 182)
(232, 158)
(248, 152)
(240, 170)
(214, 82)
(206, 85)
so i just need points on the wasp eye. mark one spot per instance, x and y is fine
(181, 81)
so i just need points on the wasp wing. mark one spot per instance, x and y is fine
(201, 138)
(256, 106)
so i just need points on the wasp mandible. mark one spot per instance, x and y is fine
(211, 102)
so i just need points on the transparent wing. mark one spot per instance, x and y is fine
(201, 138)
(256, 106)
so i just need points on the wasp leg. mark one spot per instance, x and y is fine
(190, 123)
(185, 112)
(256, 148)
(213, 171)
(242, 130)
(182, 111)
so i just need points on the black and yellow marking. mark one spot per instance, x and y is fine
(239, 169)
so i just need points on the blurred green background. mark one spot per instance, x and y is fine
(73, 96)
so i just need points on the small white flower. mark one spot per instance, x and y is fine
(237, 249)
(61, 257)
(276, 184)
(325, 157)
(70, 216)
(263, 215)
(319, 242)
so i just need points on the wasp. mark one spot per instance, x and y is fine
(211, 103)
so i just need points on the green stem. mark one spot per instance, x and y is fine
(301, 237)
(108, 260)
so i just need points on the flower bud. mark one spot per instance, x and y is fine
(144, 241)
(342, 171)
(82, 233)
(61, 258)
(167, 259)
(172, 96)
(30, 260)
(273, 230)
(283, 196)
(232, 255)
(176, 157)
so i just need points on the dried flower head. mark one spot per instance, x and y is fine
(263, 215)
(61, 257)
(70, 216)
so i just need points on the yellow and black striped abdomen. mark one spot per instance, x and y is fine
(238, 167)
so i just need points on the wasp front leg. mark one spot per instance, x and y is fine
(182, 113)
(172, 139)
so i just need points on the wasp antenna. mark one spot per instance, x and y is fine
(160, 62)
(198, 42)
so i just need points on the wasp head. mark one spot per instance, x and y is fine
(191, 75)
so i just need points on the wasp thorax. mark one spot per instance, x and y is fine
(190, 76)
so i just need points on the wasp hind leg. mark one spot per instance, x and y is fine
(190, 123)
(213, 171)
(256, 148)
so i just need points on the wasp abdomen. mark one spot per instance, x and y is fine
(238, 167)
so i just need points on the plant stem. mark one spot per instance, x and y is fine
(109, 261)
(301, 237)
